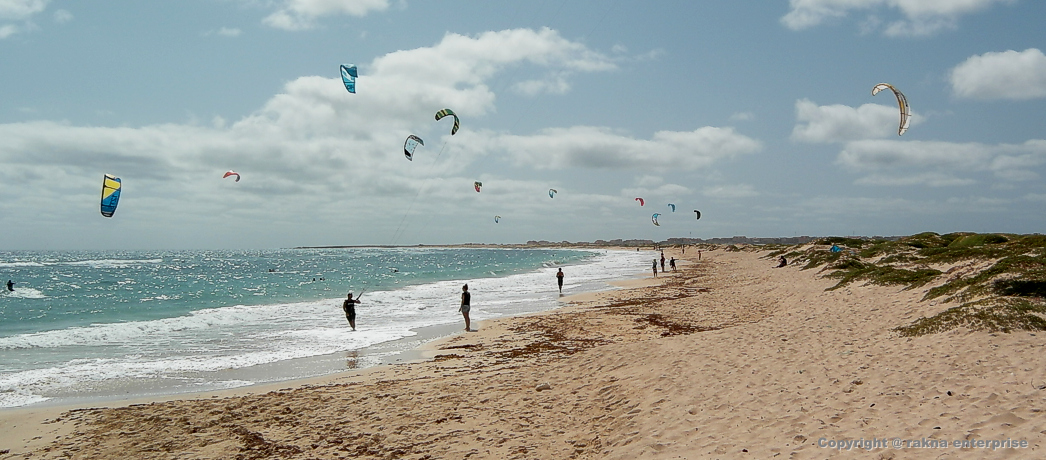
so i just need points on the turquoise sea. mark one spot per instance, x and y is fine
(102, 323)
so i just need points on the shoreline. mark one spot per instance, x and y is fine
(728, 358)
(35, 425)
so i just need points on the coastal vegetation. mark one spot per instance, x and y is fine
(997, 281)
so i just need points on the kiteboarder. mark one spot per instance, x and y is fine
(465, 307)
(559, 279)
(10, 285)
(350, 309)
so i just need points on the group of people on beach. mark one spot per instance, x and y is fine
(671, 263)
(349, 305)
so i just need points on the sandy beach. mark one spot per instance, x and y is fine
(725, 358)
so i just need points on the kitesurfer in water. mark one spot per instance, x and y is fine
(350, 309)
(559, 279)
(465, 307)
(10, 285)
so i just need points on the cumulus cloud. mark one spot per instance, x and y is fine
(841, 123)
(302, 14)
(63, 16)
(591, 147)
(932, 179)
(920, 17)
(313, 147)
(1007, 162)
(1005, 75)
(730, 191)
(18, 11)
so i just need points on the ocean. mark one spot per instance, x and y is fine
(84, 325)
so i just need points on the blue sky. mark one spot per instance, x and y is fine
(759, 114)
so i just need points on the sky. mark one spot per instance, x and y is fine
(758, 114)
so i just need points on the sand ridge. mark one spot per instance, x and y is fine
(727, 358)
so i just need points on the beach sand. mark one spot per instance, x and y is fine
(727, 358)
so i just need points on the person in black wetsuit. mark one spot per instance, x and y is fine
(465, 307)
(350, 309)
(10, 285)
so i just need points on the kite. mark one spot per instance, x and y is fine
(698, 214)
(640, 200)
(111, 186)
(497, 219)
(653, 219)
(478, 184)
(232, 173)
(552, 192)
(348, 76)
(410, 144)
(672, 206)
(445, 112)
(902, 103)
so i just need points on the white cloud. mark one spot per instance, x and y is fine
(841, 123)
(1008, 162)
(63, 16)
(931, 179)
(730, 191)
(313, 148)
(921, 17)
(742, 116)
(1006, 75)
(229, 32)
(602, 148)
(302, 14)
(18, 10)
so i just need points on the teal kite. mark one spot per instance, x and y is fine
(348, 76)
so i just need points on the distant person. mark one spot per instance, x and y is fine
(698, 254)
(466, 298)
(350, 309)
(781, 262)
(655, 268)
(559, 279)
(662, 261)
(672, 263)
(10, 285)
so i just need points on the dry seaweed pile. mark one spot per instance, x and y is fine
(998, 280)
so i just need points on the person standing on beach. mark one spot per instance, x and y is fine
(655, 268)
(350, 309)
(559, 279)
(662, 261)
(672, 263)
(465, 307)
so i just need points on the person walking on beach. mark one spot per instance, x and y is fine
(350, 309)
(559, 279)
(465, 307)
(672, 263)
(655, 268)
